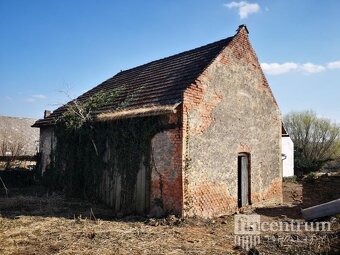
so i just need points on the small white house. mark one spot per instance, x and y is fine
(287, 154)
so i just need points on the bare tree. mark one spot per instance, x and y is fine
(11, 146)
(11, 150)
(316, 140)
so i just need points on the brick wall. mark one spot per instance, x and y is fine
(157, 192)
(166, 176)
(228, 110)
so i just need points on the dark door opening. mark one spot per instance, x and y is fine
(243, 179)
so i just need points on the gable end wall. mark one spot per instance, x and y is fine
(228, 110)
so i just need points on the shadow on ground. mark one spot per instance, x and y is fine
(37, 201)
(292, 212)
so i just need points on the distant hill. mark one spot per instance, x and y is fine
(15, 129)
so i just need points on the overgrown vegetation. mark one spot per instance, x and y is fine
(290, 179)
(311, 176)
(86, 148)
(80, 114)
(316, 140)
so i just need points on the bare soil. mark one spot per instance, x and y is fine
(34, 222)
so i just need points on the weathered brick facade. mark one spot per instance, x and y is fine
(166, 175)
(227, 109)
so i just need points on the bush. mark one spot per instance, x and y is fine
(316, 140)
(290, 179)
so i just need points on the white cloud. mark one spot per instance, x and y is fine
(306, 68)
(333, 65)
(312, 68)
(276, 68)
(244, 8)
(35, 98)
(39, 96)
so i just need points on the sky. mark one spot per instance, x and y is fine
(54, 50)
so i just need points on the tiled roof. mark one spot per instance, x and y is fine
(158, 83)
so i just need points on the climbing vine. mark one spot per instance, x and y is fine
(187, 165)
(80, 115)
(86, 149)
(121, 146)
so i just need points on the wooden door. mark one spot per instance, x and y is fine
(243, 180)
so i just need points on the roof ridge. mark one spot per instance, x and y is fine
(15, 117)
(166, 78)
(178, 54)
(161, 59)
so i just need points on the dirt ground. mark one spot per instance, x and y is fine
(33, 222)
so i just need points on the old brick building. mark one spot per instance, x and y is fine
(219, 144)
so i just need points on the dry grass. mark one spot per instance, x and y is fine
(54, 225)
(145, 111)
(51, 235)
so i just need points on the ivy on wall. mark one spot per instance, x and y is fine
(85, 149)
(121, 146)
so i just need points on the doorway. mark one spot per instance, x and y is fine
(243, 167)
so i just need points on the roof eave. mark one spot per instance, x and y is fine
(152, 110)
(138, 112)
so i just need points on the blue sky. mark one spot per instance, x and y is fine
(51, 46)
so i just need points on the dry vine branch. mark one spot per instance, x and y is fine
(80, 113)
(92, 216)
(6, 189)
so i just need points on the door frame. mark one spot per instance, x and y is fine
(241, 155)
